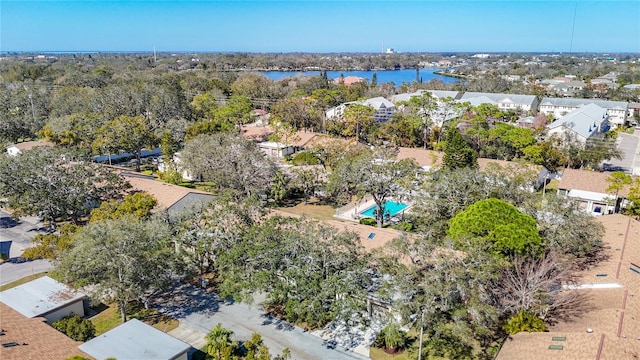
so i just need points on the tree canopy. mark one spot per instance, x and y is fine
(229, 161)
(507, 229)
(123, 259)
(457, 152)
(56, 185)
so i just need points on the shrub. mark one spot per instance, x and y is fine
(524, 321)
(305, 158)
(75, 327)
(368, 221)
(403, 226)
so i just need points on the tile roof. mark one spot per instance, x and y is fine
(348, 80)
(261, 133)
(28, 145)
(167, 195)
(613, 317)
(431, 158)
(594, 181)
(36, 339)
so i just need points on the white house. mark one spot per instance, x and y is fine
(177, 163)
(383, 107)
(505, 102)
(136, 340)
(581, 123)
(276, 149)
(617, 111)
(44, 297)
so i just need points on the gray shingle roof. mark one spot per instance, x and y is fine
(135, 340)
(528, 100)
(583, 120)
(574, 102)
(40, 296)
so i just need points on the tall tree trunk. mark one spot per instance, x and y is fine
(138, 156)
(122, 306)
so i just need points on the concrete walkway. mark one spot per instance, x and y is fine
(199, 311)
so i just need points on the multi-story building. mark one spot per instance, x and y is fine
(617, 111)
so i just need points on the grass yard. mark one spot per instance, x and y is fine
(22, 281)
(320, 212)
(110, 318)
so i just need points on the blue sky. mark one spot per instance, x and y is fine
(321, 26)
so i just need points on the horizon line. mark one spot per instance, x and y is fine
(305, 52)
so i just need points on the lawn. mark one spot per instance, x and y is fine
(379, 354)
(320, 212)
(110, 318)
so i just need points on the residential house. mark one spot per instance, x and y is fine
(520, 103)
(44, 297)
(558, 107)
(136, 340)
(172, 198)
(384, 109)
(25, 337)
(17, 149)
(589, 188)
(349, 80)
(581, 124)
(276, 149)
(605, 82)
(634, 112)
(608, 327)
(532, 122)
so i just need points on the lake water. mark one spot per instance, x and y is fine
(395, 76)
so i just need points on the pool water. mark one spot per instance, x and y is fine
(391, 208)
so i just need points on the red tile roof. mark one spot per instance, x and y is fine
(36, 339)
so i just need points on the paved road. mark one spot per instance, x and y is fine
(199, 311)
(21, 231)
(11, 272)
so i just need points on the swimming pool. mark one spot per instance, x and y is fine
(391, 208)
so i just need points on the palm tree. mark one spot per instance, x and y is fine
(394, 339)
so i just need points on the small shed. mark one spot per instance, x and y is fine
(44, 297)
(136, 340)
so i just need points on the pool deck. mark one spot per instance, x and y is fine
(351, 211)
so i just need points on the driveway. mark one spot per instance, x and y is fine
(199, 311)
(629, 145)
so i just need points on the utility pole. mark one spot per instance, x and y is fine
(421, 327)
(33, 111)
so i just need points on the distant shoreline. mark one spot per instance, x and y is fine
(448, 74)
